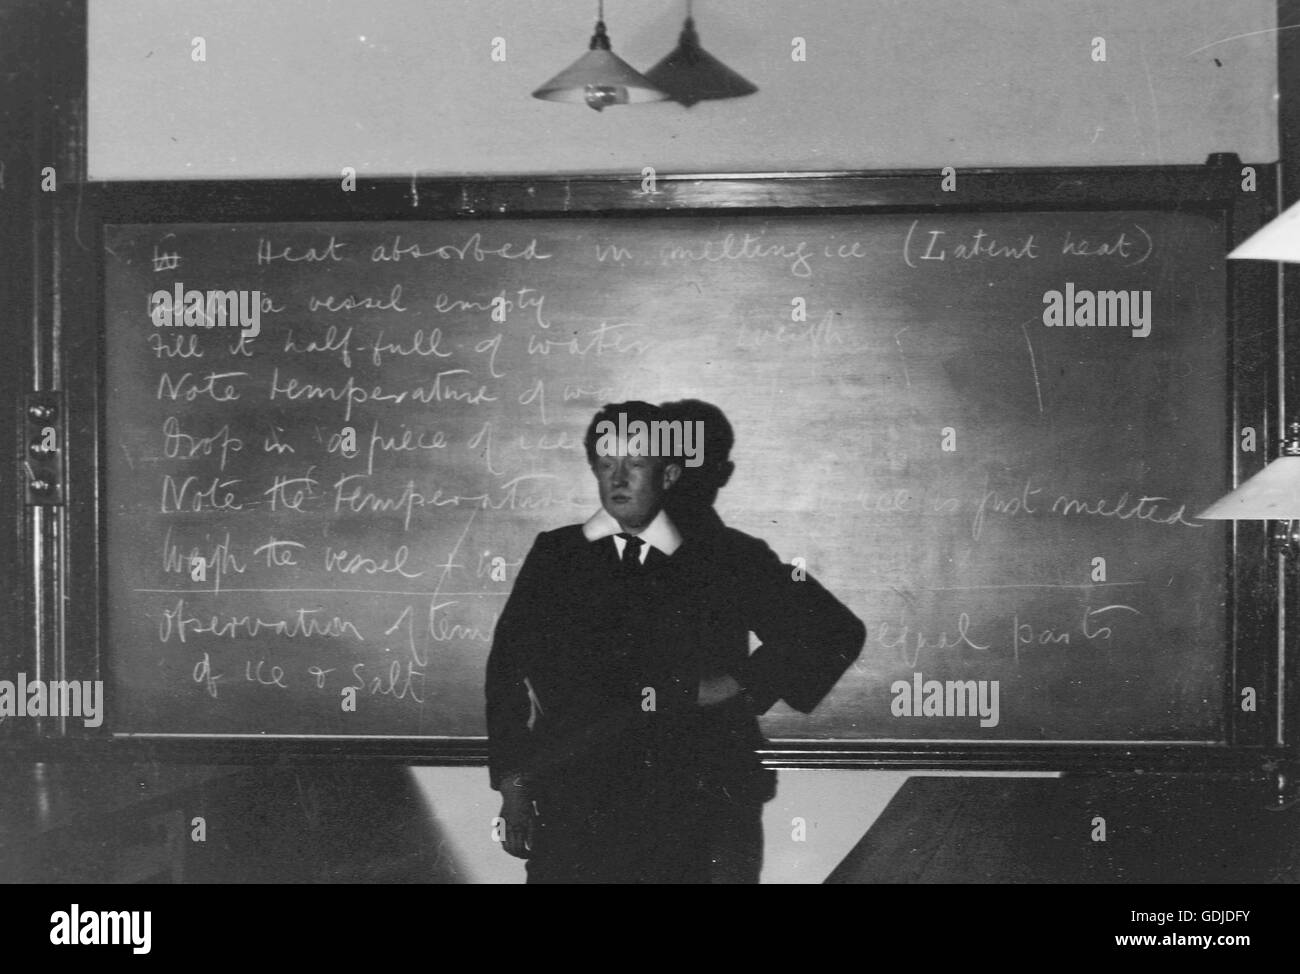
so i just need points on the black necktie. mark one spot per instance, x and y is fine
(631, 552)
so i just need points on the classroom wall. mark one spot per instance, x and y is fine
(306, 87)
(302, 88)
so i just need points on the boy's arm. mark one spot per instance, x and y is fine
(809, 638)
(518, 637)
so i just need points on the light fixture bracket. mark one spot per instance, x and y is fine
(600, 39)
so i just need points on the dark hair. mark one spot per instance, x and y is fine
(634, 410)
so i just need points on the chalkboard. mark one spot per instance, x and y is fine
(1001, 499)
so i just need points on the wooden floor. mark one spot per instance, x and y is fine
(1158, 829)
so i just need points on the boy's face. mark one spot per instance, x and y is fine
(632, 487)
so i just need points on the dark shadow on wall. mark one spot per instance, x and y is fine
(690, 503)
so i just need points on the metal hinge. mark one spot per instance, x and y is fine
(42, 460)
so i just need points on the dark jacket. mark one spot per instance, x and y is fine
(615, 660)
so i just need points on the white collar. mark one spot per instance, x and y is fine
(660, 533)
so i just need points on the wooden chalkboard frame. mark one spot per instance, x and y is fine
(1253, 743)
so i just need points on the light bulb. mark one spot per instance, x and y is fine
(602, 96)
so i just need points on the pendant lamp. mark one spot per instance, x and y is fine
(600, 77)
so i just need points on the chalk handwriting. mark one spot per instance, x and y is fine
(824, 335)
(1130, 250)
(1156, 509)
(931, 248)
(403, 441)
(1024, 634)
(189, 389)
(471, 249)
(342, 561)
(605, 338)
(280, 553)
(175, 345)
(334, 341)
(353, 303)
(525, 298)
(613, 252)
(418, 344)
(909, 643)
(266, 252)
(518, 493)
(745, 247)
(274, 677)
(185, 496)
(217, 564)
(1018, 502)
(272, 444)
(353, 395)
(399, 682)
(302, 623)
(290, 493)
(178, 445)
(204, 675)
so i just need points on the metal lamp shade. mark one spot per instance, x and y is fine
(600, 78)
